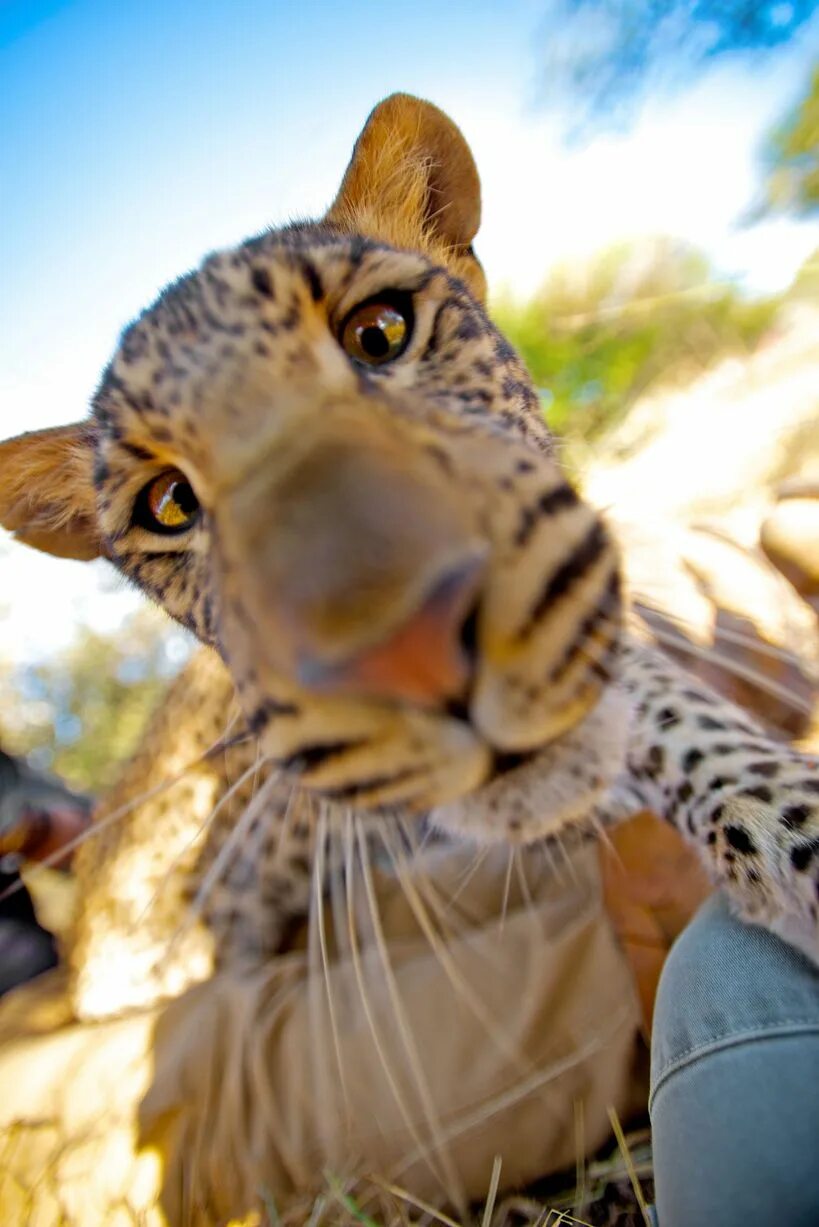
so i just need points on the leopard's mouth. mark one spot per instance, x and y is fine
(502, 762)
(417, 763)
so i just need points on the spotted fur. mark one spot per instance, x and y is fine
(237, 377)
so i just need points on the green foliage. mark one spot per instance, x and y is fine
(81, 713)
(599, 335)
(792, 157)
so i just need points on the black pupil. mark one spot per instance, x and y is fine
(182, 494)
(375, 342)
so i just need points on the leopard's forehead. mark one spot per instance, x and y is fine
(255, 320)
(254, 297)
(255, 327)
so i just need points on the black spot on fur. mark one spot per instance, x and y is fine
(696, 696)
(585, 555)
(260, 279)
(360, 788)
(739, 838)
(802, 854)
(435, 334)
(139, 453)
(668, 718)
(267, 710)
(769, 770)
(310, 758)
(655, 761)
(761, 791)
(795, 816)
(311, 276)
(513, 389)
(548, 504)
(469, 329)
(692, 759)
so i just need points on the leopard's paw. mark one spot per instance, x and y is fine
(765, 843)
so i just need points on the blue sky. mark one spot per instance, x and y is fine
(138, 136)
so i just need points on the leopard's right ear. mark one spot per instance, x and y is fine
(412, 182)
(47, 495)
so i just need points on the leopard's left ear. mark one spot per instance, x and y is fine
(47, 494)
(412, 182)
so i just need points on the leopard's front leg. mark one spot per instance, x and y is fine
(749, 804)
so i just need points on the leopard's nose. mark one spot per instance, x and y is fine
(426, 660)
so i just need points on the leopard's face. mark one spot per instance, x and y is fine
(318, 453)
(379, 544)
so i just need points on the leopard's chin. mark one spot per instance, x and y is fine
(534, 794)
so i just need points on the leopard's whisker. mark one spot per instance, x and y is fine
(296, 795)
(318, 937)
(534, 1081)
(666, 639)
(523, 882)
(222, 861)
(507, 886)
(728, 634)
(774, 689)
(229, 743)
(452, 1183)
(432, 896)
(406, 870)
(408, 829)
(448, 964)
(449, 924)
(364, 997)
(98, 825)
(545, 846)
(601, 831)
(557, 836)
(224, 800)
(468, 874)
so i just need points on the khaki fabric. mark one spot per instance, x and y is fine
(511, 1033)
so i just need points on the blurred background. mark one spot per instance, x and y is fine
(650, 234)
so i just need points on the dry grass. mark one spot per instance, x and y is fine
(612, 1192)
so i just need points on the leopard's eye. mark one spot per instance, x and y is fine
(167, 504)
(376, 332)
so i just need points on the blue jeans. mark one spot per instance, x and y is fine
(735, 1079)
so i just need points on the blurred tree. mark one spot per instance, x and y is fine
(792, 159)
(601, 333)
(604, 56)
(82, 712)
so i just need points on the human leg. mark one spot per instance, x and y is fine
(735, 1078)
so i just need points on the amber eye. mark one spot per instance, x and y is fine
(376, 332)
(167, 504)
